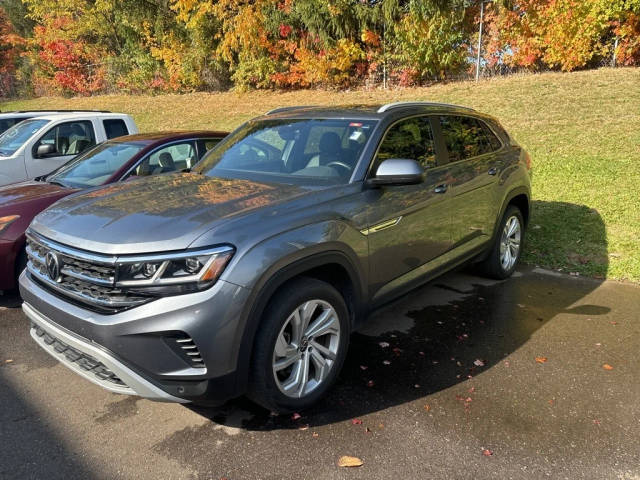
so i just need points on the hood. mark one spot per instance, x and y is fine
(24, 192)
(155, 214)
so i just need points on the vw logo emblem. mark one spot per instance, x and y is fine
(53, 266)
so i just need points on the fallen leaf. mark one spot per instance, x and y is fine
(315, 435)
(596, 421)
(486, 452)
(296, 416)
(472, 389)
(606, 366)
(304, 427)
(478, 363)
(367, 430)
(356, 421)
(427, 407)
(9, 360)
(383, 344)
(541, 359)
(346, 461)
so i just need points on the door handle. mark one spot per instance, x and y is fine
(441, 188)
(492, 171)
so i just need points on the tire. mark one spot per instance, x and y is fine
(496, 265)
(282, 352)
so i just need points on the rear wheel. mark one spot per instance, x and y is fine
(507, 246)
(300, 347)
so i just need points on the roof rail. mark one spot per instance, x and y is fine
(390, 106)
(54, 110)
(286, 109)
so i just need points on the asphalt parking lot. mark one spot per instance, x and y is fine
(533, 377)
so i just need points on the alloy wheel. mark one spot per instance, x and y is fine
(510, 243)
(306, 348)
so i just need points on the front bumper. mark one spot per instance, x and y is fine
(139, 345)
(91, 362)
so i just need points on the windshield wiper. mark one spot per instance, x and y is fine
(55, 182)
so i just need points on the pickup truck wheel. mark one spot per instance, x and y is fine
(300, 347)
(507, 246)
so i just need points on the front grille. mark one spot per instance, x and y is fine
(75, 356)
(82, 276)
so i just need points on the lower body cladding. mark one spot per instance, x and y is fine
(173, 349)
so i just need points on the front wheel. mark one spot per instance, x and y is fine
(300, 347)
(507, 246)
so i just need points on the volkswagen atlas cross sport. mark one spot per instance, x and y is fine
(247, 274)
(120, 159)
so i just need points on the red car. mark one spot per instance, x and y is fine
(116, 160)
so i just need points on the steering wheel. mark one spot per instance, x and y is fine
(341, 165)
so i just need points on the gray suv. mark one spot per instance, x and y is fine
(247, 274)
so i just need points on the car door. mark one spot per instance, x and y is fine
(66, 140)
(474, 163)
(408, 225)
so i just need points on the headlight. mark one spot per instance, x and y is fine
(167, 274)
(6, 221)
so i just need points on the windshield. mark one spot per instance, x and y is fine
(16, 136)
(307, 152)
(97, 165)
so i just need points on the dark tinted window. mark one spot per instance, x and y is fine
(115, 128)
(492, 140)
(412, 139)
(467, 137)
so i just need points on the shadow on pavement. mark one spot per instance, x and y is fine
(436, 337)
(30, 448)
(10, 300)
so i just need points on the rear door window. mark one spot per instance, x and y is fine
(411, 139)
(206, 144)
(467, 137)
(115, 127)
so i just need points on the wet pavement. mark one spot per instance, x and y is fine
(532, 377)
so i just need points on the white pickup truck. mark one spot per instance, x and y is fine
(39, 145)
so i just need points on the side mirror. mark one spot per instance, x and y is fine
(398, 171)
(44, 150)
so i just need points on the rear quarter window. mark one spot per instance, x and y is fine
(467, 137)
(115, 127)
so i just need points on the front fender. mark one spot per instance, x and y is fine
(274, 261)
